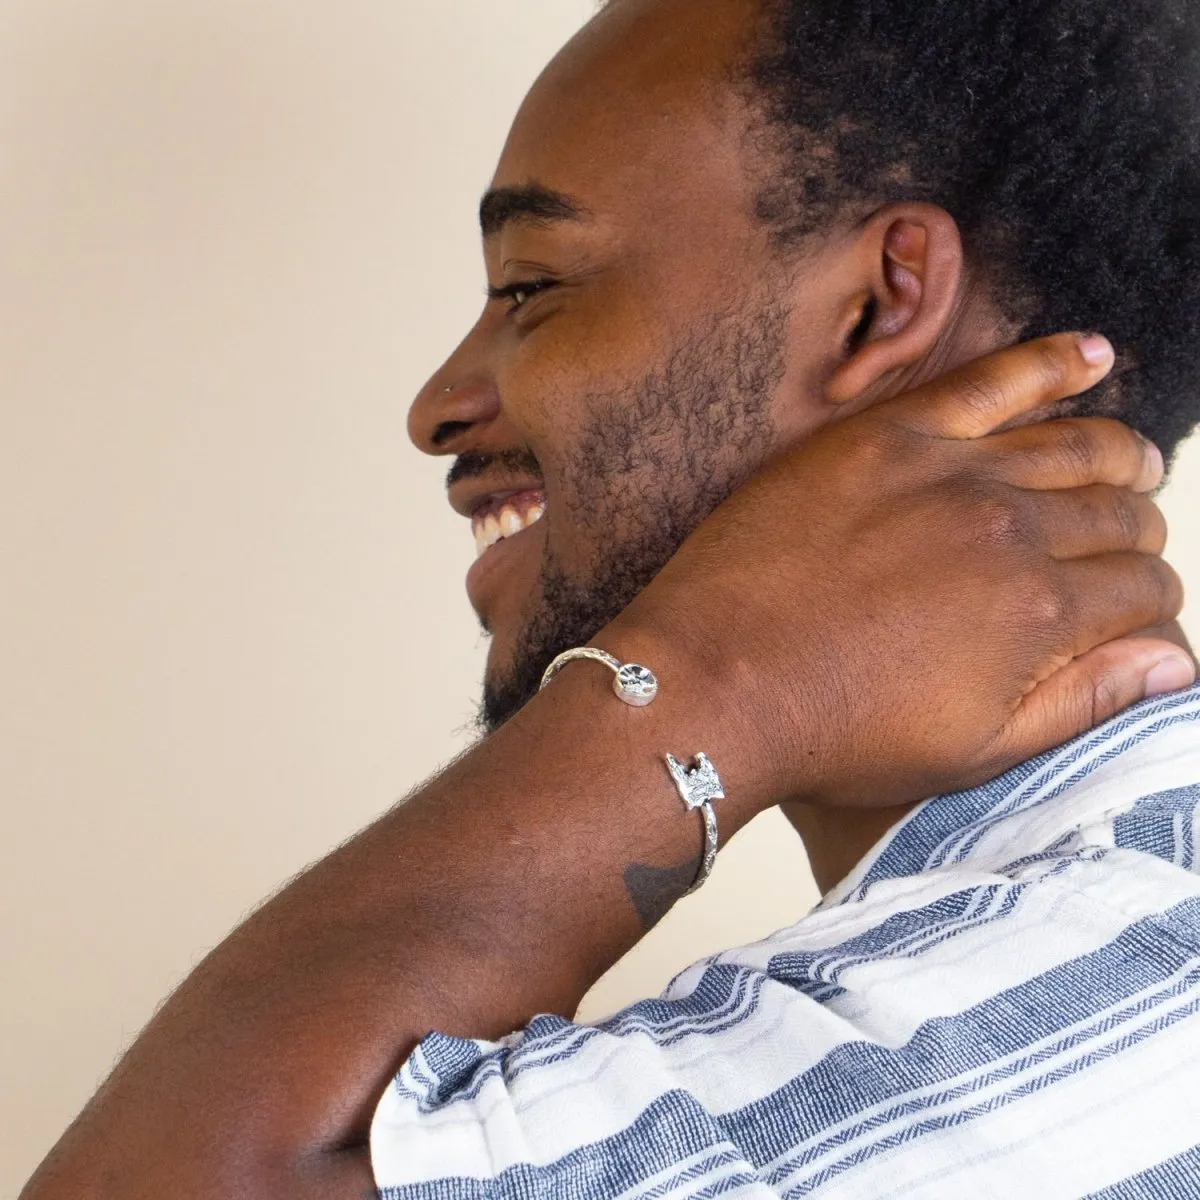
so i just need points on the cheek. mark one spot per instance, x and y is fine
(547, 385)
(570, 389)
(595, 347)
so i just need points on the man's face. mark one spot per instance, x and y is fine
(625, 378)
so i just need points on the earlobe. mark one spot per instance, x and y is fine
(912, 265)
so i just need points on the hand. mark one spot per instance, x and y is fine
(922, 596)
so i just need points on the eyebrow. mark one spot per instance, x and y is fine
(532, 203)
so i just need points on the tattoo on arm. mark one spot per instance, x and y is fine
(654, 890)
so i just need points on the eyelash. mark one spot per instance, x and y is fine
(513, 292)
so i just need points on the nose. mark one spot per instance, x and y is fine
(450, 407)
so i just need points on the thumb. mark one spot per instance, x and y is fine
(1095, 686)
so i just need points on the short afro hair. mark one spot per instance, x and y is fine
(1062, 136)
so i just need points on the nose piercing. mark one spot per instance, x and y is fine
(447, 390)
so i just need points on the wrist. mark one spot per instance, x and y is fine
(702, 706)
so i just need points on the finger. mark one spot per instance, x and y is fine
(1073, 452)
(1093, 687)
(1095, 520)
(1114, 595)
(977, 399)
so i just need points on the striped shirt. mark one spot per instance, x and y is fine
(1002, 1000)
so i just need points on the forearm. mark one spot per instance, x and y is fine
(503, 888)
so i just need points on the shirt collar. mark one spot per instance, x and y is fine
(946, 829)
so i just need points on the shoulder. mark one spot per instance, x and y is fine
(1006, 995)
(1120, 772)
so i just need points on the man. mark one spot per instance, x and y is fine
(714, 420)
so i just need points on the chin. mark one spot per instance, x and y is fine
(506, 689)
(502, 649)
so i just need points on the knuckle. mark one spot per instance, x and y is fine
(1077, 450)
(1106, 697)
(1050, 364)
(1126, 518)
(1130, 460)
(998, 522)
(981, 392)
(1046, 605)
(1154, 531)
(1171, 595)
(883, 445)
(1157, 591)
(871, 450)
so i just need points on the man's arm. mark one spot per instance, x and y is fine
(512, 881)
(497, 891)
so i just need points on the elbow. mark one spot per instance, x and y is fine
(345, 1175)
(53, 1181)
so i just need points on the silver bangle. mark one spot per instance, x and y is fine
(699, 786)
(634, 684)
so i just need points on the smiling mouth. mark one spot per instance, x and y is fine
(501, 517)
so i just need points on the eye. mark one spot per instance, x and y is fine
(520, 293)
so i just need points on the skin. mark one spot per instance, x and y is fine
(537, 384)
(819, 661)
(631, 287)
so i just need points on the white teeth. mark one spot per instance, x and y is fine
(508, 522)
(533, 516)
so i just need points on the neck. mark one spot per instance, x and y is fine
(836, 839)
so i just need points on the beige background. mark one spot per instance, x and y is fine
(235, 236)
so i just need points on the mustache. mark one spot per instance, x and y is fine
(471, 466)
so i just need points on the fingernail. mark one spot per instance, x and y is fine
(1169, 675)
(1156, 458)
(1096, 349)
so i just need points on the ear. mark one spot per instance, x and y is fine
(908, 261)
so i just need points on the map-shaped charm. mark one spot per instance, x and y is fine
(698, 785)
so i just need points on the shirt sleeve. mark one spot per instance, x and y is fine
(1003, 1000)
(1036, 1033)
(572, 1110)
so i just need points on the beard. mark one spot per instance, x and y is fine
(653, 461)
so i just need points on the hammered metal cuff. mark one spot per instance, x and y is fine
(634, 684)
(699, 786)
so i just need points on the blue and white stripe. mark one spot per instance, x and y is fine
(1003, 999)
